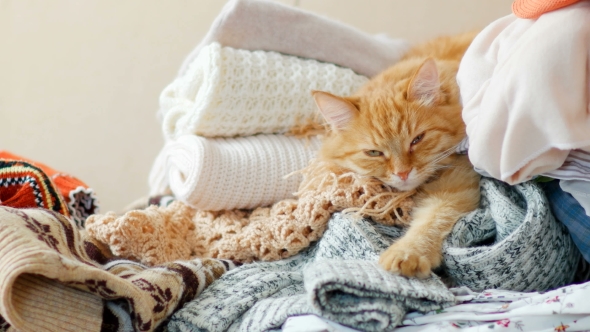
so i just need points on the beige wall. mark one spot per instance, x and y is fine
(79, 80)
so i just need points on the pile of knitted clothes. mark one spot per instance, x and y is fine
(511, 242)
(54, 276)
(239, 125)
(229, 121)
(232, 198)
(231, 116)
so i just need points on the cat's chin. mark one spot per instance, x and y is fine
(405, 186)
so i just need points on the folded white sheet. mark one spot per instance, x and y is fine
(231, 173)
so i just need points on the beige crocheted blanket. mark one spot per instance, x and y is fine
(162, 234)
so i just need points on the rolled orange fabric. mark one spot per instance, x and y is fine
(536, 8)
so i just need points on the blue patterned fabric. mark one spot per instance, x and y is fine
(567, 210)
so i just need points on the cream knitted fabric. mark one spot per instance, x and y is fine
(232, 92)
(231, 173)
(54, 277)
(160, 234)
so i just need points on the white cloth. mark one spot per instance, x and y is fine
(231, 173)
(273, 26)
(563, 309)
(230, 92)
(525, 86)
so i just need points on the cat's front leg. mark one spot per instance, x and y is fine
(420, 250)
(407, 260)
(439, 205)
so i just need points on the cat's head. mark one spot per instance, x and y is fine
(400, 128)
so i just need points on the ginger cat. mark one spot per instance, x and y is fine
(402, 128)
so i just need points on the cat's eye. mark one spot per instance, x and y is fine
(373, 153)
(417, 139)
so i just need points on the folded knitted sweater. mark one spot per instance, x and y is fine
(231, 173)
(229, 92)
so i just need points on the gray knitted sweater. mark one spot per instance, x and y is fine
(511, 242)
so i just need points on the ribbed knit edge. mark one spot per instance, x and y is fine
(47, 305)
(29, 302)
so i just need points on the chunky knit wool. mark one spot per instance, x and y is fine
(161, 234)
(510, 242)
(337, 277)
(231, 92)
(231, 173)
(527, 250)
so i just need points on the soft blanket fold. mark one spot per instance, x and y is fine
(515, 235)
(53, 276)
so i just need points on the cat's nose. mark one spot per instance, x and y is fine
(403, 175)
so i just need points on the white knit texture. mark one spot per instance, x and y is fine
(231, 173)
(233, 92)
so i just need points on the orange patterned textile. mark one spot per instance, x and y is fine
(27, 183)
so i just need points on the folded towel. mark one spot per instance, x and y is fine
(231, 173)
(54, 277)
(272, 26)
(231, 92)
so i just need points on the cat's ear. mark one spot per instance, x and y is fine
(425, 85)
(337, 111)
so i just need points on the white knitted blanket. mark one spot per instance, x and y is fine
(231, 173)
(232, 92)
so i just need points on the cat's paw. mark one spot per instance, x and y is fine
(405, 261)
